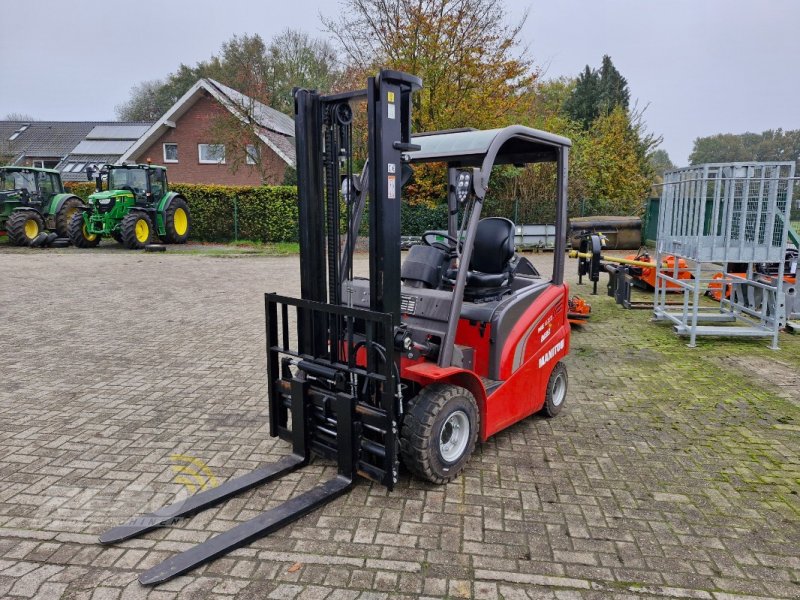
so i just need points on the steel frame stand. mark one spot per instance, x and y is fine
(720, 214)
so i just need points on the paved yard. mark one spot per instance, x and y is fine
(672, 472)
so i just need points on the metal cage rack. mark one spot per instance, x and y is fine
(728, 217)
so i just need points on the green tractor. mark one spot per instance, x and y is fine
(136, 205)
(33, 203)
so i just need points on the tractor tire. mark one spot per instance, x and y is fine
(137, 229)
(23, 226)
(40, 241)
(556, 391)
(65, 214)
(177, 222)
(60, 243)
(77, 234)
(51, 237)
(155, 248)
(117, 236)
(439, 433)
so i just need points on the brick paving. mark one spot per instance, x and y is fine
(670, 473)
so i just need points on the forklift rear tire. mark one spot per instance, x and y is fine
(556, 391)
(440, 429)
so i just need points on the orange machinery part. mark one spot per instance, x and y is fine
(715, 287)
(649, 275)
(579, 310)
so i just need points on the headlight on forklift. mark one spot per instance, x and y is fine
(463, 185)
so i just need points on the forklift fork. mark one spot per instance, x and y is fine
(313, 408)
(249, 531)
(169, 515)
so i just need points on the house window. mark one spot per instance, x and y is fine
(170, 153)
(211, 154)
(252, 154)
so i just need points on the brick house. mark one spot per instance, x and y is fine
(182, 139)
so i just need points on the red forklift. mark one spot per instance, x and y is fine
(425, 357)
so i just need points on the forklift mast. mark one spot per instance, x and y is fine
(324, 150)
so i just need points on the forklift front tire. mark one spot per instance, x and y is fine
(440, 429)
(556, 391)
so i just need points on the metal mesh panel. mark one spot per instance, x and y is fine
(735, 212)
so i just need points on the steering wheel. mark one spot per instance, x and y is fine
(454, 243)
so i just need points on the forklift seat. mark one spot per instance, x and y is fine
(490, 269)
(493, 250)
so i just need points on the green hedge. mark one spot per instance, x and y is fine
(416, 219)
(222, 213)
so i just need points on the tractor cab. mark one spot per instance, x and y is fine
(31, 185)
(146, 183)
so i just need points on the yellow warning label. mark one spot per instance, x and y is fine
(390, 96)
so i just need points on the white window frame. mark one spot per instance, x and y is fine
(203, 161)
(164, 151)
(251, 154)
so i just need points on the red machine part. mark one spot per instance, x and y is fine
(535, 344)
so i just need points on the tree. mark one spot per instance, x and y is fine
(770, 145)
(463, 50)
(597, 93)
(15, 116)
(473, 74)
(660, 162)
(147, 102)
(582, 106)
(247, 64)
(297, 60)
(614, 166)
(612, 88)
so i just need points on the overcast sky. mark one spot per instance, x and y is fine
(701, 66)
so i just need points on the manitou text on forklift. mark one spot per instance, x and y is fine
(419, 361)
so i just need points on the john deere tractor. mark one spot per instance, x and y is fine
(32, 203)
(136, 206)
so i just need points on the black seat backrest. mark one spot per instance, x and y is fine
(494, 245)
